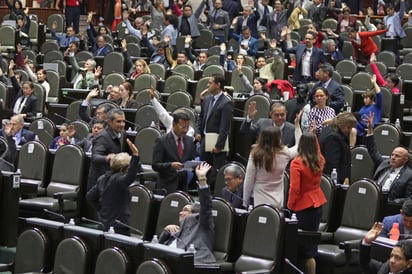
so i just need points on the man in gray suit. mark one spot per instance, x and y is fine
(195, 228)
(170, 152)
(278, 119)
(188, 20)
(219, 22)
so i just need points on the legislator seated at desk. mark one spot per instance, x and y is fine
(403, 219)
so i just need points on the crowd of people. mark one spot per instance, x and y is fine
(309, 135)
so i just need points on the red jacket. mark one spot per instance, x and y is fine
(305, 191)
(367, 45)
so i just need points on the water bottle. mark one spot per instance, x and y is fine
(394, 233)
(155, 240)
(71, 222)
(398, 124)
(72, 141)
(36, 138)
(249, 208)
(152, 124)
(334, 176)
(111, 230)
(294, 218)
(191, 249)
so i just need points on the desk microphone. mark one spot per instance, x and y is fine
(60, 216)
(287, 261)
(100, 225)
(64, 118)
(133, 229)
(232, 193)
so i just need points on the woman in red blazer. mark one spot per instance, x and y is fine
(305, 195)
(363, 43)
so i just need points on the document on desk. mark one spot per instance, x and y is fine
(210, 142)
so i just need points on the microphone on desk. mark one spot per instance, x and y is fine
(100, 225)
(60, 216)
(287, 261)
(62, 117)
(133, 229)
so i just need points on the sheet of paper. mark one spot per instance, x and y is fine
(210, 142)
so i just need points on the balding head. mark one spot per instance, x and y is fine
(399, 157)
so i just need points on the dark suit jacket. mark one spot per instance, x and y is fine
(336, 95)
(164, 153)
(111, 197)
(93, 42)
(253, 46)
(30, 107)
(251, 23)
(401, 188)
(26, 135)
(273, 29)
(221, 18)
(218, 121)
(197, 229)
(105, 143)
(254, 128)
(373, 266)
(234, 198)
(335, 148)
(317, 58)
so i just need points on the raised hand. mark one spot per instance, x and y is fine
(251, 110)
(132, 147)
(373, 233)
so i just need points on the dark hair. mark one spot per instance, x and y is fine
(129, 88)
(268, 144)
(406, 247)
(394, 78)
(371, 94)
(219, 79)
(328, 68)
(106, 107)
(245, 28)
(172, 19)
(112, 113)
(187, 6)
(308, 151)
(29, 83)
(263, 82)
(324, 90)
(407, 208)
(97, 121)
(180, 116)
(302, 92)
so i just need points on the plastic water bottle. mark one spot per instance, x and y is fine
(394, 233)
(249, 208)
(155, 240)
(191, 249)
(334, 176)
(71, 222)
(398, 124)
(111, 230)
(152, 124)
(72, 141)
(293, 217)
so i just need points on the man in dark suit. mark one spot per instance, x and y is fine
(99, 45)
(170, 153)
(218, 22)
(308, 58)
(233, 191)
(215, 117)
(196, 224)
(106, 144)
(19, 134)
(404, 219)
(188, 20)
(277, 19)
(25, 102)
(394, 175)
(336, 94)
(317, 12)
(251, 19)
(278, 119)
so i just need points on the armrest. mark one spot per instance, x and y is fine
(349, 245)
(68, 195)
(309, 237)
(261, 271)
(6, 267)
(326, 237)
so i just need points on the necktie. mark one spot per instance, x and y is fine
(266, 10)
(382, 180)
(180, 148)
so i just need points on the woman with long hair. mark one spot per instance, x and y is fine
(305, 195)
(265, 167)
(126, 99)
(140, 67)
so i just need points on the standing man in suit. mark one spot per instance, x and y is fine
(317, 12)
(336, 95)
(393, 176)
(277, 19)
(308, 57)
(170, 152)
(404, 219)
(277, 118)
(215, 117)
(109, 142)
(249, 18)
(25, 102)
(196, 224)
(188, 21)
(248, 45)
(219, 22)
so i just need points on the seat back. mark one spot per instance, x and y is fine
(262, 242)
(201, 86)
(59, 20)
(387, 137)
(348, 92)
(220, 177)
(360, 210)
(140, 206)
(175, 83)
(153, 266)
(72, 256)
(49, 46)
(381, 67)
(145, 115)
(112, 260)
(387, 57)
(134, 49)
(7, 38)
(361, 81)
(205, 40)
(158, 70)
(329, 23)
(169, 209)
(404, 71)
(346, 68)
(223, 217)
(40, 93)
(31, 251)
(53, 79)
(237, 83)
(72, 112)
(144, 141)
(33, 162)
(387, 109)
(52, 55)
(189, 111)
(185, 70)
(84, 55)
(143, 97)
(178, 99)
(328, 188)
(362, 165)
(286, 186)
(44, 128)
(3, 94)
(113, 62)
(67, 173)
(262, 104)
(114, 79)
(213, 69)
(82, 129)
(145, 81)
